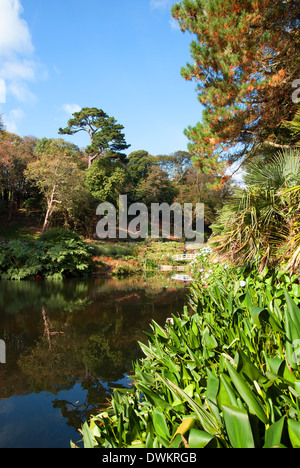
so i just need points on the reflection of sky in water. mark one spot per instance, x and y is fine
(31, 422)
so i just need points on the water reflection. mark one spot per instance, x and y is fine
(69, 343)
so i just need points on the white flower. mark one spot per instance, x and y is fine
(226, 267)
(243, 284)
(207, 276)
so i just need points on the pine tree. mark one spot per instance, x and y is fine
(106, 137)
(244, 63)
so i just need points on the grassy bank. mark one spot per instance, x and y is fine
(26, 254)
(122, 259)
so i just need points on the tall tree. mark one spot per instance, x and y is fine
(106, 180)
(176, 165)
(15, 154)
(244, 62)
(57, 174)
(156, 187)
(139, 163)
(106, 137)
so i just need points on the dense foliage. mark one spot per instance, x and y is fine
(259, 225)
(57, 184)
(224, 374)
(244, 61)
(56, 256)
(106, 137)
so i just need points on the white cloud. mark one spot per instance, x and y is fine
(160, 4)
(21, 91)
(21, 69)
(14, 32)
(12, 119)
(174, 24)
(18, 66)
(2, 92)
(71, 108)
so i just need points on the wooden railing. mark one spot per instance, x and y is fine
(183, 257)
(184, 278)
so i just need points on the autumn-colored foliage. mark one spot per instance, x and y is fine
(244, 63)
(15, 154)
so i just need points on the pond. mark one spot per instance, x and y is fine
(67, 345)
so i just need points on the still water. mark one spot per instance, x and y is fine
(69, 343)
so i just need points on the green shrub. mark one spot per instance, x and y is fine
(259, 224)
(57, 235)
(113, 250)
(50, 260)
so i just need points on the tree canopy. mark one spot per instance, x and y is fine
(56, 173)
(106, 137)
(244, 64)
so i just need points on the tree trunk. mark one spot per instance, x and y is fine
(11, 203)
(46, 220)
(49, 211)
(92, 158)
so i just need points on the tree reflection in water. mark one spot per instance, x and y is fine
(78, 333)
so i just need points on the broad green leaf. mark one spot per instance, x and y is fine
(294, 432)
(274, 434)
(186, 425)
(226, 395)
(212, 390)
(293, 310)
(209, 340)
(238, 427)
(248, 369)
(87, 436)
(209, 423)
(247, 394)
(160, 331)
(291, 335)
(199, 439)
(258, 314)
(154, 398)
(160, 424)
(176, 442)
(149, 441)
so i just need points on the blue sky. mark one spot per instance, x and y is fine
(123, 56)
